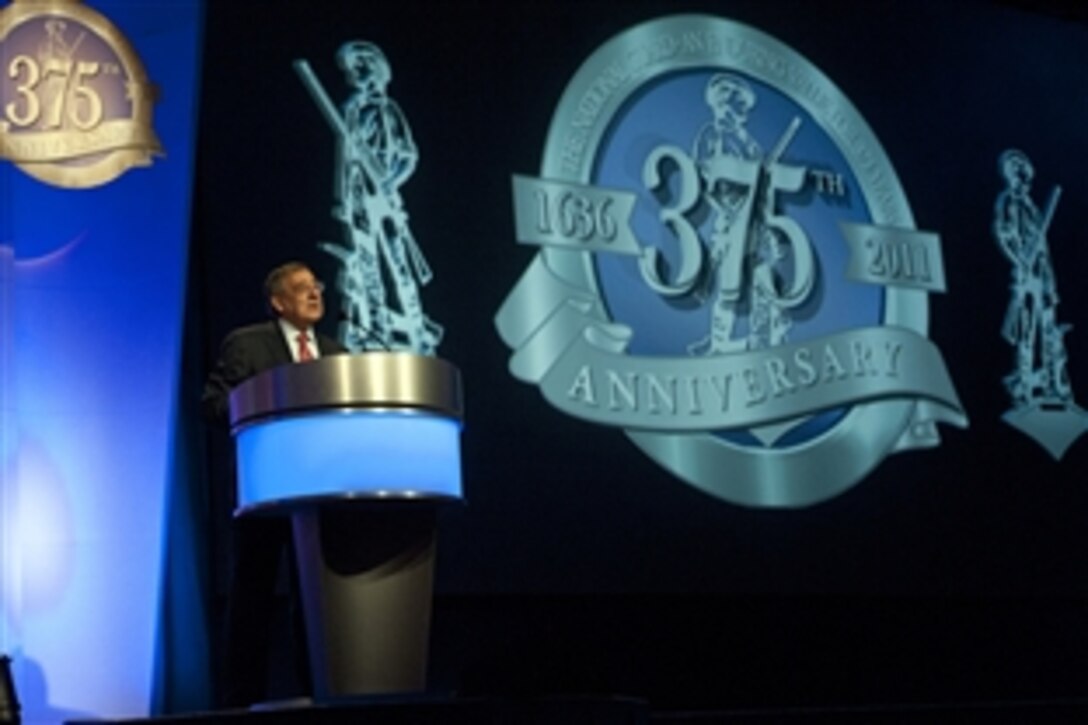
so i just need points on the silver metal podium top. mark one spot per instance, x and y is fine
(394, 380)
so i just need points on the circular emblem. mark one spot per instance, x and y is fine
(76, 103)
(729, 269)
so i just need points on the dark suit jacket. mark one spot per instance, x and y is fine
(246, 352)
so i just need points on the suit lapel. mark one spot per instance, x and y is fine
(277, 344)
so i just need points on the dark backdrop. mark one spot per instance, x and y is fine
(969, 561)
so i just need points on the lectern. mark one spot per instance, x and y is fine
(360, 450)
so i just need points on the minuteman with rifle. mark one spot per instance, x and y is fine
(376, 156)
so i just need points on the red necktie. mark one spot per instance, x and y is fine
(304, 353)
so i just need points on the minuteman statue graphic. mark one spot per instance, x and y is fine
(376, 155)
(1039, 384)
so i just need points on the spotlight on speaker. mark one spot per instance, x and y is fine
(9, 703)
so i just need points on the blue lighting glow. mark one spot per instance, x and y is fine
(381, 454)
(92, 288)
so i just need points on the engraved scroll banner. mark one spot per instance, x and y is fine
(578, 360)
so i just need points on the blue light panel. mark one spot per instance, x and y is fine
(91, 304)
(380, 454)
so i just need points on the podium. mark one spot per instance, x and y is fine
(360, 450)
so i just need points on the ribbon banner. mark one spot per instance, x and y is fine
(577, 359)
(574, 216)
(894, 257)
(51, 146)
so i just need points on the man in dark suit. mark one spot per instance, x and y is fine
(258, 543)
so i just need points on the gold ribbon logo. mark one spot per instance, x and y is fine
(75, 102)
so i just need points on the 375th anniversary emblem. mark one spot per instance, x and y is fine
(75, 102)
(728, 269)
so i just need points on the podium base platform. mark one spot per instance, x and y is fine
(422, 710)
(616, 710)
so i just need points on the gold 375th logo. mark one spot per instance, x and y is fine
(75, 102)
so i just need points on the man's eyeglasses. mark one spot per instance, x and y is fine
(305, 290)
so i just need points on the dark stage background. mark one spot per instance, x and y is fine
(577, 563)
